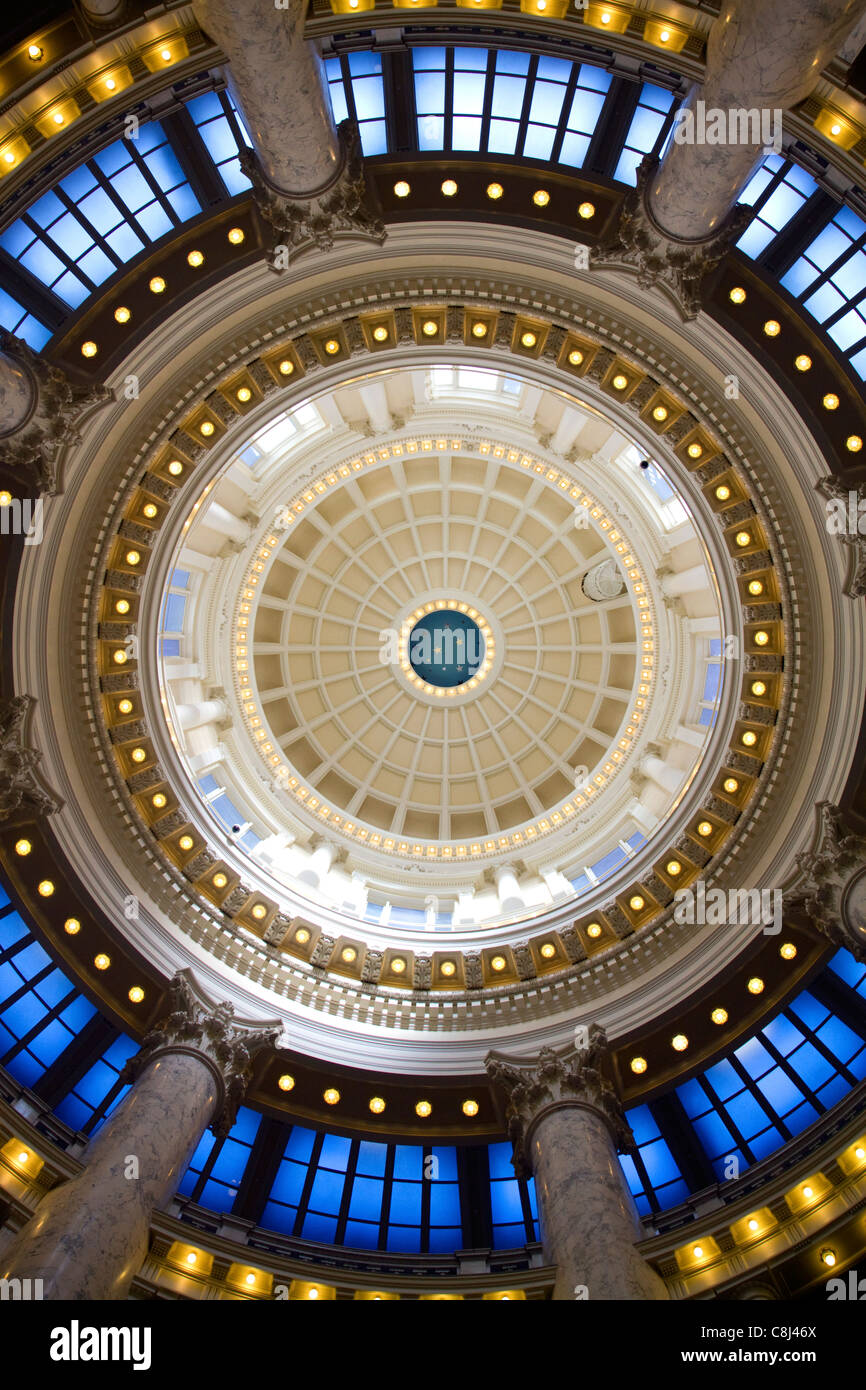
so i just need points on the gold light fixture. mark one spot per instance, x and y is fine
(636, 903)
(695, 451)
(660, 413)
(34, 52)
(46, 888)
(150, 510)
(72, 926)
(828, 1257)
(593, 930)
(548, 950)
(750, 738)
(156, 285)
(102, 961)
(423, 1109)
(244, 394)
(479, 330)
(138, 755)
(528, 340)
(742, 539)
(620, 382)
(787, 950)
(679, 1042)
(494, 191)
(206, 428)
(332, 346)
(761, 638)
(759, 688)
(448, 188)
(498, 963)
(575, 357)
(448, 967)
(853, 443)
(286, 367)
(830, 401)
(377, 1105)
(731, 785)
(429, 328)
(175, 468)
(705, 829)
(541, 197)
(260, 911)
(772, 328)
(219, 880)
(348, 954)
(756, 587)
(803, 362)
(638, 1065)
(723, 492)
(195, 259)
(236, 236)
(136, 994)
(23, 848)
(738, 295)
(753, 1224)
(89, 349)
(159, 800)
(120, 658)
(186, 842)
(380, 333)
(402, 189)
(719, 1016)
(302, 936)
(331, 1096)
(286, 1082)
(756, 985)
(470, 1108)
(586, 211)
(674, 867)
(398, 965)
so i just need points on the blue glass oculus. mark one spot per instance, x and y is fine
(445, 648)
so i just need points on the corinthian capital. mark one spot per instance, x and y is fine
(832, 888)
(21, 793)
(555, 1080)
(209, 1031)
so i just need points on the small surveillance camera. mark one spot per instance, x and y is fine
(644, 463)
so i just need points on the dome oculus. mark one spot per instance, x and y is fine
(446, 648)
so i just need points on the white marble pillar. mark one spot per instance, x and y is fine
(690, 581)
(195, 714)
(278, 81)
(567, 1123)
(762, 55)
(103, 12)
(508, 889)
(88, 1237)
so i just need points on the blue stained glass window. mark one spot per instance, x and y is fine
(645, 130)
(327, 1192)
(830, 278)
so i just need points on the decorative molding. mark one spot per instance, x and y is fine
(196, 1025)
(833, 893)
(575, 1077)
(21, 794)
(855, 584)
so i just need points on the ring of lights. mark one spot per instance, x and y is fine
(260, 973)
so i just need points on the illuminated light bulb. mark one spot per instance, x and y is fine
(138, 755)
(756, 985)
(605, 19)
(548, 950)
(737, 295)
(749, 738)
(719, 1016)
(479, 330)
(206, 428)
(377, 1105)
(331, 1096)
(102, 961)
(753, 1225)
(698, 1252)
(250, 1279)
(175, 468)
(731, 785)
(665, 35)
(541, 197)
(136, 994)
(46, 888)
(828, 1257)
(165, 54)
(122, 314)
(9, 157)
(34, 52)
(660, 412)
(72, 926)
(620, 382)
(853, 443)
(244, 394)
(24, 1156)
(575, 357)
(332, 346)
(430, 328)
(638, 1065)
(636, 903)
(705, 829)
(260, 911)
(58, 118)
(23, 848)
(788, 950)
(186, 842)
(380, 334)
(593, 930)
(674, 867)
(772, 328)
(470, 1108)
(695, 451)
(448, 188)
(835, 128)
(191, 1258)
(679, 1042)
(756, 587)
(761, 638)
(586, 211)
(286, 1082)
(803, 362)
(286, 367)
(860, 1153)
(398, 965)
(541, 4)
(759, 688)
(133, 558)
(423, 1109)
(402, 189)
(159, 800)
(120, 658)
(302, 936)
(448, 967)
(195, 259)
(110, 84)
(498, 963)
(314, 1293)
(830, 401)
(348, 954)
(742, 539)
(528, 340)
(219, 880)
(236, 236)
(807, 1192)
(723, 492)
(89, 349)
(5, 499)
(494, 190)
(150, 510)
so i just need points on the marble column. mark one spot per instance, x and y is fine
(763, 57)
(103, 12)
(193, 715)
(88, 1237)
(566, 1122)
(307, 174)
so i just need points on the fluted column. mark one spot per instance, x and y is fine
(307, 177)
(88, 1238)
(566, 1122)
(761, 54)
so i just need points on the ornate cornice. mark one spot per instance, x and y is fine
(832, 893)
(553, 1081)
(21, 795)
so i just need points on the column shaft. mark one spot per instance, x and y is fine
(89, 1237)
(762, 55)
(278, 81)
(588, 1219)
